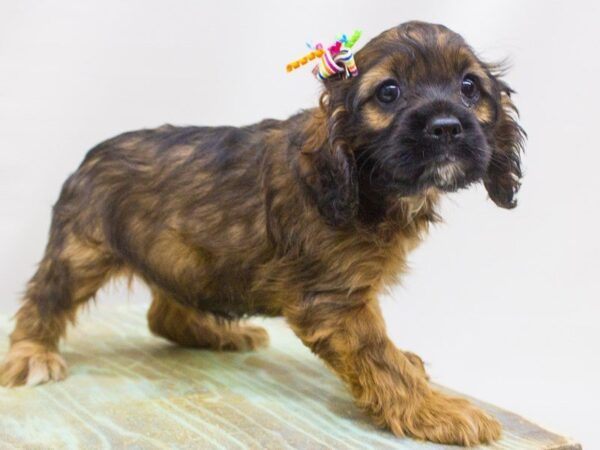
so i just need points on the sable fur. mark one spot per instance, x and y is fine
(309, 218)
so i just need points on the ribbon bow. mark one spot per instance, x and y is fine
(334, 60)
(330, 65)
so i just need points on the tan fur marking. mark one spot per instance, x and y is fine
(484, 113)
(370, 80)
(375, 118)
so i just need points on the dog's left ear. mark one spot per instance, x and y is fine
(503, 177)
(326, 162)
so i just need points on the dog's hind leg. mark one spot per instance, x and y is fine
(192, 328)
(70, 273)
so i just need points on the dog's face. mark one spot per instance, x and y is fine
(424, 113)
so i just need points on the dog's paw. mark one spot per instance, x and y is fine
(244, 338)
(446, 420)
(29, 363)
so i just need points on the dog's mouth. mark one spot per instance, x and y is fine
(418, 166)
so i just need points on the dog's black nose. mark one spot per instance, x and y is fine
(444, 127)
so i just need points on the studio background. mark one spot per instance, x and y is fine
(501, 304)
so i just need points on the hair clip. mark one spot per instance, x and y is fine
(337, 59)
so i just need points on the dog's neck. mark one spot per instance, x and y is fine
(393, 213)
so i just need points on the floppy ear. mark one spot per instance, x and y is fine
(326, 162)
(503, 177)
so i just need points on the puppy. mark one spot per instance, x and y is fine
(307, 218)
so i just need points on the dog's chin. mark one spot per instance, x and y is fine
(448, 175)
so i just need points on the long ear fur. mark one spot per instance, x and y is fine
(327, 165)
(503, 178)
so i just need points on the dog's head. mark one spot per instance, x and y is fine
(425, 113)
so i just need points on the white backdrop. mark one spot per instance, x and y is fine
(502, 304)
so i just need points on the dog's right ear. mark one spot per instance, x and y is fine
(326, 163)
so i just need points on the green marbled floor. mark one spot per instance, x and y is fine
(128, 389)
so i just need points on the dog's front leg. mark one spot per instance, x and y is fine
(348, 332)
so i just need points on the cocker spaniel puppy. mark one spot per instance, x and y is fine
(307, 218)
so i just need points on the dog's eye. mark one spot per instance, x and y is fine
(468, 88)
(388, 92)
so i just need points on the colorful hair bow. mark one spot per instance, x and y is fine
(337, 59)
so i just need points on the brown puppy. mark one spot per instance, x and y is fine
(308, 218)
